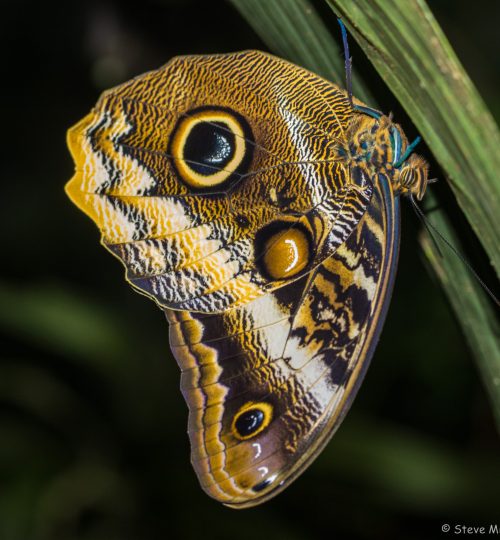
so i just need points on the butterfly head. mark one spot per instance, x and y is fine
(412, 177)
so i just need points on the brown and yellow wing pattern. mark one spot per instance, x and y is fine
(254, 203)
(192, 230)
(267, 383)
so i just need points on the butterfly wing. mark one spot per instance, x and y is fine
(268, 383)
(201, 175)
(221, 183)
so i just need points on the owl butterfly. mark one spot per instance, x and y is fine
(257, 205)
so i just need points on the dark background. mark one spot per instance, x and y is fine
(93, 440)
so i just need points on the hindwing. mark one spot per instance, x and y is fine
(290, 361)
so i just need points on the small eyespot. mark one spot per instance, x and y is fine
(210, 146)
(251, 419)
(283, 249)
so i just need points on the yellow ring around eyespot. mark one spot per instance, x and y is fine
(265, 408)
(182, 133)
(286, 253)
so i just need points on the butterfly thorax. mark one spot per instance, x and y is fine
(377, 146)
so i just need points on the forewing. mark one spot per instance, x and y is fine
(268, 383)
(186, 230)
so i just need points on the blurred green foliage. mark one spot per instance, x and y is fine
(93, 440)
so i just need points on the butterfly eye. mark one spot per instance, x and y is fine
(283, 249)
(251, 419)
(210, 146)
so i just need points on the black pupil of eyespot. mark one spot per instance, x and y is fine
(249, 421)
(209, 147)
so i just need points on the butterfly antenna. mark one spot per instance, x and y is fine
(348, 60)
(427, 224)
(431, 229)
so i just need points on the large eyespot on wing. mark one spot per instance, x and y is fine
(185, 169)
(210, 147)
(268, 383)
